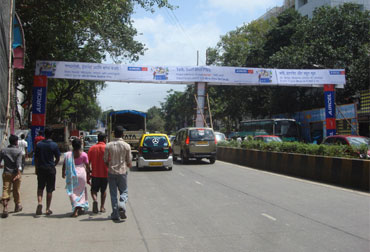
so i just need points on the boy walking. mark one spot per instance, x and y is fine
(99, 173)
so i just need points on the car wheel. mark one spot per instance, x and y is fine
(184, 160)
(174, 158)
(199, 159)
(212, 160)
(170, 168)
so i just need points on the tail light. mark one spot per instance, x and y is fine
(140, 150)
(187, 141)
(170, 151)
(215, 141)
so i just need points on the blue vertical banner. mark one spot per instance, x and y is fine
(38, 105)
(330, 117)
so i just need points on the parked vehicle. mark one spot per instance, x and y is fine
(195, 143)
(89, 141)
(172, 138)
(134, 123)
(351, 140)
(267, 138)
(287, 129)
(154, 151)
(220, 137)
(61, 136)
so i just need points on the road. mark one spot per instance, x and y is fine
(199, 207)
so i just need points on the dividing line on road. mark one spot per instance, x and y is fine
(268, 216)
(297, 179)
(197, 182)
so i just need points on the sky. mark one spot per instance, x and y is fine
(172, 38)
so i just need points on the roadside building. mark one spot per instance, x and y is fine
(307, 7)
(313, 123)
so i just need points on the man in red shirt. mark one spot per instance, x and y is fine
(99, 172)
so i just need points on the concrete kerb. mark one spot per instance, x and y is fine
(349, 173)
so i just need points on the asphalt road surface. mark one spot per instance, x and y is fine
(199, 207)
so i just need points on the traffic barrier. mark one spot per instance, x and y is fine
(345, 172)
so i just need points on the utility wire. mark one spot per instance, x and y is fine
(172, 16)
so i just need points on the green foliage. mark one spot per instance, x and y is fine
(82, 31)
(155, 121)
(297, 147)
(336, 37)
(178, 109)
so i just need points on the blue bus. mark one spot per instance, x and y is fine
(287, 129)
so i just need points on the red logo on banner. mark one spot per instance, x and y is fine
(40, 81)
(330, 123)
(38, 119)
(329, 87)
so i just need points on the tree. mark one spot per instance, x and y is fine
(84, 31)
(241, 47)
(155, 120)
(178, 109)
(333, 38)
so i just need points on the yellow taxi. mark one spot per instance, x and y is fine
(154, 151)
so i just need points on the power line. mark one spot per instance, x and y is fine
(179, 26)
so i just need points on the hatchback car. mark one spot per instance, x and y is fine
(267, 138)
(351, 140)
(154, 151)
(195, 143)
(220, 137)
(89, 141)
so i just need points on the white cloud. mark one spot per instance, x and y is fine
(173, 43)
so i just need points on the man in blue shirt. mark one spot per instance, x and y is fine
(47, 156)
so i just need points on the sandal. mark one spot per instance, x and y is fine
(74, 214)
(95, 207)
(102, 210)
(49, 212)
(39, 209)
(18, 208)
(5, 215)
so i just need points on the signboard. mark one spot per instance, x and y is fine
(38, 105)
(330, 110)
(212, 75)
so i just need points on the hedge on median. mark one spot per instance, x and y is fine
(298, 147)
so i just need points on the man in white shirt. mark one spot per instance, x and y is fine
(22, 144)
(117, 156)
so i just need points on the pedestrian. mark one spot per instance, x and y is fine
(117, 157)
(39, 137)
(47, 156)
(99, 173)
(23, 145)
(76, 171)
(12, 157)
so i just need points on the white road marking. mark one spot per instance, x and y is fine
(181, 174)
(268, 216)
(198, 182)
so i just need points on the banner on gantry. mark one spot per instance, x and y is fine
(213, 75)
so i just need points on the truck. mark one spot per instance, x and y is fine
(61, 136)
(134, 124)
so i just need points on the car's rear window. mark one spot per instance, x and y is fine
(155, 141)
(201, 134)
(357, 141)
